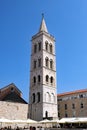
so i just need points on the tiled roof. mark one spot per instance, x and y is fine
(72, 92)
(12, 84)
(13, 97)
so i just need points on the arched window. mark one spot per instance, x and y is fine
(34, 79)
(51, 80)
(51, 64)
(38, 97)
(39, 46)
(39, 78)
(46, 45)
(33, 97)
(39, 62)
(35, 48)
(35, 64)
(48, 97)
(47, 78)
(52, 98)
(47, 62)
(51, 48)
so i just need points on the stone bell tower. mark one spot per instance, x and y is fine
(43, 96)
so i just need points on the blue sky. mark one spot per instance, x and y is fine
(66, 20)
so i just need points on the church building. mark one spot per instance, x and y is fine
(43, 96)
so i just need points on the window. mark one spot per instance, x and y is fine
(58, 114)
(46, 45)
(39, 62)
(33, 100)
(58, 107)
(51, 64)
(81, 105)
(65, 106)
(51, 48)
(73, 106)
(47, 97)
(34, 79)
(39, 78)
(35, 48)
(39, 46)
(52, 98)
(81, 95)
(12, 89)
(35, 64)
(38, 97)
(47, 78)
(51, 80)
(47, 62)
(66, 115)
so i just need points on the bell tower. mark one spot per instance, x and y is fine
(43, 96)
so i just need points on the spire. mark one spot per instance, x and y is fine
(43, 25)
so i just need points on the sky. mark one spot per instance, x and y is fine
(66, 20)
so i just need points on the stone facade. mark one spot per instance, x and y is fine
(72, 104)
(43, 97)
(12, 110)
(12, 105)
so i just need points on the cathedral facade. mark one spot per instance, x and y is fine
(43, 96)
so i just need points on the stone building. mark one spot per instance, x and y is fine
(43, 96)
(12, 105)
(72, 104)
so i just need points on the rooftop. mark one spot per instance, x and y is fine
(72, 92)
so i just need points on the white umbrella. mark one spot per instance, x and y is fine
(45, 121)
(54, 121)
(4, 120)
(30, 121)
(65, 120)
(19, 121)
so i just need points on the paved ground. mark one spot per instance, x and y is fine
(67, 129)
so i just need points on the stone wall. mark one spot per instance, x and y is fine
(12, 110)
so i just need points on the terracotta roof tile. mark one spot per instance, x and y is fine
(72, 92)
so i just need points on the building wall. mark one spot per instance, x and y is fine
(73, 105)
(11, 110)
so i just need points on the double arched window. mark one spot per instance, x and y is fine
(37, 47)
(48, 47)
(37, 63)
(36, 97)
(49, 80)
(36, 79)
(49, 63)
(50, 97)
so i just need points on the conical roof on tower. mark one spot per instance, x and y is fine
(43, 25)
